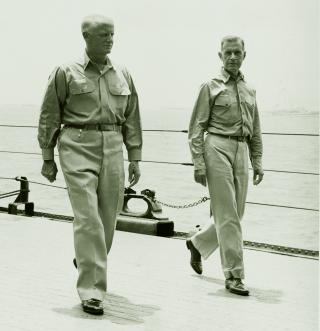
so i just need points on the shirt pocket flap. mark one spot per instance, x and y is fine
(222, 100)
(80, 86)
(117, 83)
(119, 88)
(250, 102)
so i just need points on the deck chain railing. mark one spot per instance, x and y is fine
(248, 244)
(188, 205)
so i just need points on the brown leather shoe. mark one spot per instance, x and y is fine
(235, 286)
(93, 306)
(195, 260)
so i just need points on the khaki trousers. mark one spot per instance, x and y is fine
(92, 164)
(227, 175)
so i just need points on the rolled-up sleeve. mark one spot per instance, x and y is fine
(50, 113)
(198, 125)
(255, 144)
(131, 128)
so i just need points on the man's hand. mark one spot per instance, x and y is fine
(134, 173)
(200, 176)
(49, 170)
(257, 176)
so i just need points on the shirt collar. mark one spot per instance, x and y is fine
(85, 61)
(225, 76)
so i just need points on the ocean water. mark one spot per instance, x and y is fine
(174, 183)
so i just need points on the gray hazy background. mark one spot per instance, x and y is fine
(170, 47)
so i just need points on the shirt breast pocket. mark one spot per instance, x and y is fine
(119, 91)
(250, 105)
(81, 86)
(222, 101)
(250, 102)
(222, 111)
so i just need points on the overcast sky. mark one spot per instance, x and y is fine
(169, 46)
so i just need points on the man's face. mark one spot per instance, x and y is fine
(232, 55)
(99, 39)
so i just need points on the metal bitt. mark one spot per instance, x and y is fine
(151, 217)
(153, 211)
(22, 198)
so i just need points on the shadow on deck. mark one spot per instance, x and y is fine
(151, 285)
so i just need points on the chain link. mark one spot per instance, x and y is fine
(188, 205)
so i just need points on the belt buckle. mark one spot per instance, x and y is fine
(99, 128)
(241, 138)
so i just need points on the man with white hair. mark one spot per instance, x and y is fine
(226, 109)
(96, 102)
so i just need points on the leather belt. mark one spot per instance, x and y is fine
(97, 127)
(238, 138)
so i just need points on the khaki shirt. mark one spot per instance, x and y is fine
(228, 107)
(79, 93)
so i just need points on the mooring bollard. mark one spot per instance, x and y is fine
(22, 198)
(153, 211)
(150, 221)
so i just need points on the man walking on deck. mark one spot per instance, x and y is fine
(97, 103)
(226, 109)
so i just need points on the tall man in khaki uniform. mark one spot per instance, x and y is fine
(97, 104)
(226, 108)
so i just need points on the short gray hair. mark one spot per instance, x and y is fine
(91, 21)
(231, 38)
